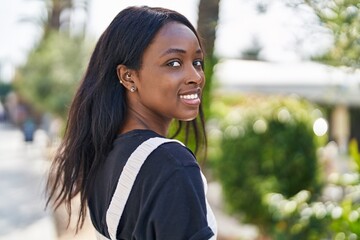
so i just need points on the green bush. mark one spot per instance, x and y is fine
(300, 218)
(267, 145)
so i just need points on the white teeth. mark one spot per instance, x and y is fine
(190, 96)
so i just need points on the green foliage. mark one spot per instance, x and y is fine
(342, 18)
(210, 62)
(52, 72)
(5, 88)
(300, 218)
(354, 153)
(296, 218)
(268, 145)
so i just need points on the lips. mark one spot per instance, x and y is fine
(191, 97)
(191, 94)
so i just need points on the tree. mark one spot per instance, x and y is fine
(207, 23)
(342, 18)
(59, 14)
(49, 78)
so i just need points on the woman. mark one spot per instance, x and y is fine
(145, 71)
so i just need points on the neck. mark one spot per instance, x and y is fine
(134, 120)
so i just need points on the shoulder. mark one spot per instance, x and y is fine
(167, 160)
(176, 154)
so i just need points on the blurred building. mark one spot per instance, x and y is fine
(337, 89)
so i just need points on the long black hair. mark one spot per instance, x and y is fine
(99, 106)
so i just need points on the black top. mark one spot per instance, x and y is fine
(167, 200)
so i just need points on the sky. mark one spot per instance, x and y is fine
(285, 34)
(16, 36)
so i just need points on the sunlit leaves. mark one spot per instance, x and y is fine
(342, 17)
(49, 78)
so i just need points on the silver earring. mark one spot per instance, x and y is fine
(133, 89)
(121, 81)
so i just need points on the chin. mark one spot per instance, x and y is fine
(188, 119)
(191, 115)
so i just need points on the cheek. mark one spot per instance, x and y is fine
(161, 84)
(159, 92)
(168, 83)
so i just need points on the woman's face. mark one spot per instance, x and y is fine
(171, 77)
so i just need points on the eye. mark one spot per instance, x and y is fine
(174, 64)
(198, 63)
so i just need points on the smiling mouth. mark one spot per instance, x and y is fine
(190, 96)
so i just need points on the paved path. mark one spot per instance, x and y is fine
(22, 174)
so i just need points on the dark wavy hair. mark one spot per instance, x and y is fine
(99, 106)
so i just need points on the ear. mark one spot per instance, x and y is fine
(126, 77)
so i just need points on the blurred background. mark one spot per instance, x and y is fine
(282, 102)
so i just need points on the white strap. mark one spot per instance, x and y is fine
(127, 179)
(99, 236)
(209, 213)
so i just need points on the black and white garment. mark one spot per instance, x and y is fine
(150, 187)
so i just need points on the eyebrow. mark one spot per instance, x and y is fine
(178, 50)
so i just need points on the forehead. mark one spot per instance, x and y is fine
(174, 35)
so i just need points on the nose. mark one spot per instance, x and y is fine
(195, 76)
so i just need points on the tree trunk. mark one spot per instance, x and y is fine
(56, 8)
(207, 22)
